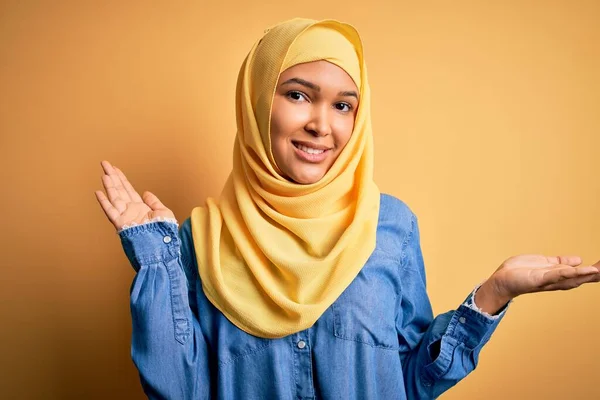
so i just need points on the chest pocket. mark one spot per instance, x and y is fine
(366, 311)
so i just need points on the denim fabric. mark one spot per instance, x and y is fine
(379, 340)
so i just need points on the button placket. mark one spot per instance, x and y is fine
(303, 365)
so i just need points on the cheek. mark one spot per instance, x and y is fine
(282, 127)
(343, 129)
(276, 125)
(286, 119)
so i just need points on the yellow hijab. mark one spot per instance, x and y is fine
(273, 255)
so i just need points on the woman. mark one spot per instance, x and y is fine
(302, 280)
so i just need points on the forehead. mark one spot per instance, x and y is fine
(322, 73)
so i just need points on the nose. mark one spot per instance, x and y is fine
(319, 124)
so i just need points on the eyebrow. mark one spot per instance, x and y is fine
(317, 88)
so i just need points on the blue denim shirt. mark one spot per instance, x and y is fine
(378, 340)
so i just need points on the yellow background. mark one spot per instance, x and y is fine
(486, 120)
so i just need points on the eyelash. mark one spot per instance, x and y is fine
(288, 95)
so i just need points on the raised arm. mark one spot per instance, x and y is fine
(168, 346)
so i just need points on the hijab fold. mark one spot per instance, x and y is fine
(272, 254)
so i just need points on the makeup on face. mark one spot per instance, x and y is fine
(312, 119)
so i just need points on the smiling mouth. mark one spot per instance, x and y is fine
(309, 149)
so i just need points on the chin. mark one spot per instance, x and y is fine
(307, 179)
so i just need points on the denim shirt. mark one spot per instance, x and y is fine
(378, 340)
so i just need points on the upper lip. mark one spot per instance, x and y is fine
(312, 145)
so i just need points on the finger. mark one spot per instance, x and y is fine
(106, 166)
(113, 194)
(572, 283)
(561, 273)
(133, 194)
(107, 182)
(111, 212)
(119, 189)
(153, 202)
(565, 260)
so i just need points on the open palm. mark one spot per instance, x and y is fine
(124, 206)
(536, 273)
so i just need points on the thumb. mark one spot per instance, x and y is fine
(152, 201)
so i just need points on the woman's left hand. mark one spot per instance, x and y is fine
(532, 273)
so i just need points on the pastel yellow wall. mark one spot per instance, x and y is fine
(486, 120)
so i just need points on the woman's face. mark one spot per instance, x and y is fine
(312, 119)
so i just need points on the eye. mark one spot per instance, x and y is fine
(344, 107)
(296, 96)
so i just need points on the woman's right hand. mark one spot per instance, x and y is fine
(124, 206)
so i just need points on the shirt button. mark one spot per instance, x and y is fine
(167, 239)
(462, 320)
(301, 344)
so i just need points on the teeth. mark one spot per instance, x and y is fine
(309, 150)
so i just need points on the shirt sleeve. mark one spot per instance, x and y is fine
(470, 302)
(436, 352)
(167, 347)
